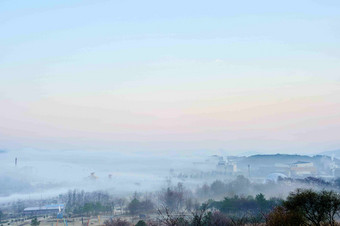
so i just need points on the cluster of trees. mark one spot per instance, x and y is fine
(79, 198)
(318, 182)
(35, 222)
(177, 198)
(172, 198)
(200, 217)
(93, 208)
(313, 181)
(177, 205)
(240, 185)
(90, 203)
(122, 222)
(168, 218)
(303, 207)
(93, 203)
(1, 216)
(117, 222)
(138, 207)
(307, 207)
(237, 204)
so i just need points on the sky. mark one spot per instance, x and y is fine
(164, 76)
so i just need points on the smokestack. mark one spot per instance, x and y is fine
(248, 171)
(16, 161)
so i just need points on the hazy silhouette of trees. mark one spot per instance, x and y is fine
(204, 216)
(240, 185)
(282, 217)
(217, 218)
(315, 207)
(169, 217)
(89, 203)
(248, 204)
(173, 198)
(117, 222)
(141, 223)
(218, 188)
(1, 215)
(331, 200)
(35, 222)
(136, 206)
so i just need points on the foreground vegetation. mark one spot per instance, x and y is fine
(214, 204)
(303, 207)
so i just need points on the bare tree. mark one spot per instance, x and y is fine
(117, 222)
(169, 218)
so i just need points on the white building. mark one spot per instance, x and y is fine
(301, 168)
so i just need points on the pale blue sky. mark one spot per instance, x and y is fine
(196, 74)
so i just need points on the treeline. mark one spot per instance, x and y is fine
(283, 186)
(140, 205)
(237, 204)
(90, 203)
(229, 195)
(314, 181)
(176, 205)
(303, 207)
(172, 198)
(307, 207)
(92, 208)
(93, 203)
(240, 185)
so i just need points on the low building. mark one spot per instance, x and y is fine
(44, 210)
(301, 164)
(302, 169)
(221, 166)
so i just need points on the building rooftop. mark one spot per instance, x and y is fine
(46, 207)
(301, 162)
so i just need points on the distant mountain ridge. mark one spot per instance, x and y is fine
(271, 159)
(335, 153)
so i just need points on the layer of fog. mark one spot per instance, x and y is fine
(44, 174)
(47, 173)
